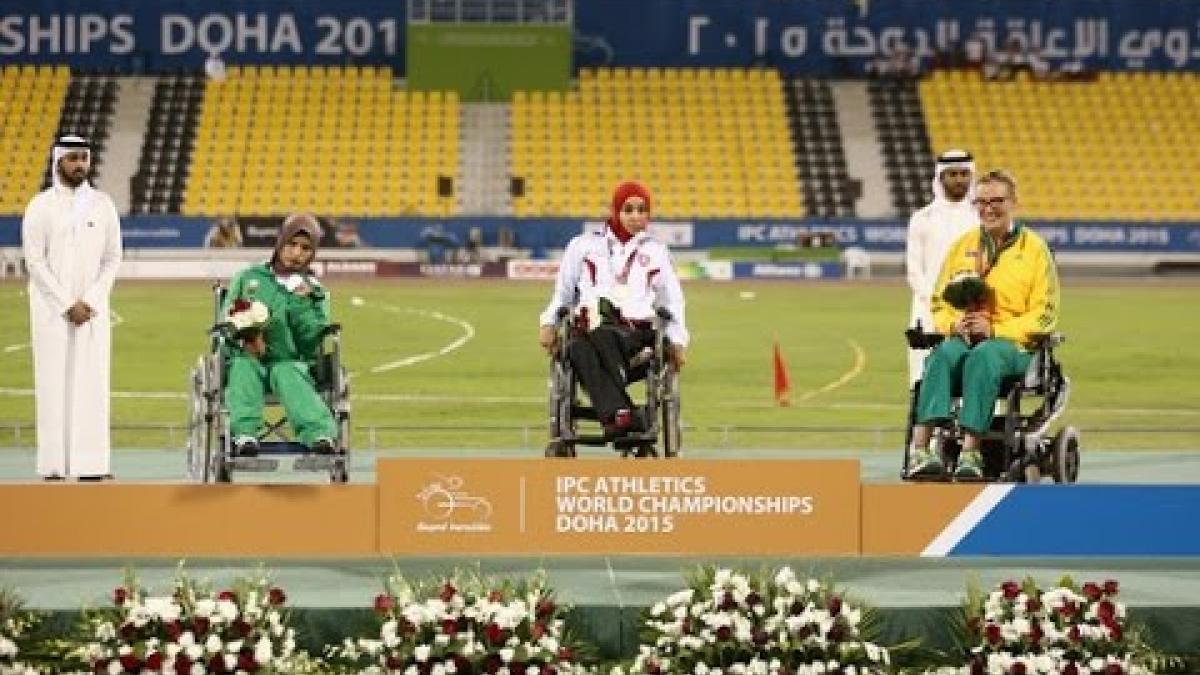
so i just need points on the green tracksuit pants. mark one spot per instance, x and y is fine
(977, 372)
(248, 382)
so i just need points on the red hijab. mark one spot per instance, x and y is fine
(622, 194)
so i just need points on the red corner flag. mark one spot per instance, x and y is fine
(783, 388)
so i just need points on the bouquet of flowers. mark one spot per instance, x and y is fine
(193, 630)
(966, 291)
(247, 316)
(465, 625)
(16, 631)
(1020, 629)
(729, 622)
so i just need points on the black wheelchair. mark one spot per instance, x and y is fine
(663, 434)
(210, 455)
(1019, 446)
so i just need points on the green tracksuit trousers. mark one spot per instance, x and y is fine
(977, 372)
(250, 379)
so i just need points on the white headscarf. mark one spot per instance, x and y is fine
(953, 159)
(63, 146)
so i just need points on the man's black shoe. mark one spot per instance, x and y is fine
(324, 446)
(245, 446)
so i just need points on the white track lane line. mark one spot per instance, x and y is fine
(468, 333)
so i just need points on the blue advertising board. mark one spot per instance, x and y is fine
(539, 234)
(827, 37)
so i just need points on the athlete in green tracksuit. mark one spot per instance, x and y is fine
(280, 358)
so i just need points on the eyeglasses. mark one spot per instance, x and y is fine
(635, 208)
(993, 202)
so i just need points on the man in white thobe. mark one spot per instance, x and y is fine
(931, 232)
(71, 237)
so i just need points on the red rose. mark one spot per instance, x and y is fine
(1073, 634)
(240, 305)
(495, 596)
(686, 627)
(407, 627)
(450, 627)
(760, 637)
(276, 596)
(384, 603)
(131, 662)
(174, 630)
(1116, 632)
(992, 633)
(494, 633)
(100, 666)
(537, 630)
(183, 665)
(394, 662)
(227, 595)
(835, 605)
(246, 661)
(835, 634)
(1113, 669)
(724, 633)
(120, 595)
(1070, 669)
(1092, 592)
(653, 668)
(797, 608)
(217, 664)
(1067, 609)
(804, 632)
(565, 654)
(728, 603)
(1111, 587)
(240, 628)
(200, 625)
(545, 608)
(1106, 610)
(491, 664)
(154, 661)
(1018, 668)
(1032, 605)
(1035, 633)
(448, 592)
(977, 666)
(127, 631)
(1011, 590)
(754, 599)
(462, 666)
(548, 669)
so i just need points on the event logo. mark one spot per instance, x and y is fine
(449, 508)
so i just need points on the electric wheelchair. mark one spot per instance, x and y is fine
(210, 454)
(662, 435)
(1019, 446)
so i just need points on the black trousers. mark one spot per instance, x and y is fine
(601, 362)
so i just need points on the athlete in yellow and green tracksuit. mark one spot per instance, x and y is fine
(299, 313)
(1022, 303)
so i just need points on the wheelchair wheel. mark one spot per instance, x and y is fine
(222, 472)
(339, 473)
(559, 449)
(198, 426)
(672, 430)
(1066, 456)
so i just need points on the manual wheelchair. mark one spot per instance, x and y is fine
(662, 436)
(210, 454)
(1019, 446)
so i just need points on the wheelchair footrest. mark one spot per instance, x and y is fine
(253, 464)
(317, 462)
(282, 448)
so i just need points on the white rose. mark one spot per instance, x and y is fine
(205, 607)
(658, 609)
(227, 610)
(506, 654)
(230, 661)
(194, 651)
(532, 670)
(723, 576)
(421, 653)
(114, 667)
(198, 669)
(213, 644)
(813, 585)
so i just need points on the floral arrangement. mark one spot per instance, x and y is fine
(965, 291)
(730, 622)
(248, 316)
(1020, 629)
(193, 630)
(16, 630)
(465, 625)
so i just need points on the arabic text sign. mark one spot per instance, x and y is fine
(768, 507)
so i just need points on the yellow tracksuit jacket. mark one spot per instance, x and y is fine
(1022, 282)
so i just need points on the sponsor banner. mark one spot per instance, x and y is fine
(482, 506)
(830, 37)
(491, 269)
(541, 270)
(788, 270)
(445, 238)
(715, 270)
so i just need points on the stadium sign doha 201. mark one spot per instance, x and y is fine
(832, 37)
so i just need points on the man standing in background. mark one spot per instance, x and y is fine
(71, 236)
(931, 231)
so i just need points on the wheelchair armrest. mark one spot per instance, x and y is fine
(331, 329)
(562, 313)
(919, 339)
(1048, 340)
(664, 314)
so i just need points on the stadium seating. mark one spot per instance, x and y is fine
(87, 112)
(1116, 147)
(341, 141)
(31, 101)
(708, 143)
(158, 185)
(904, 142)
(820, 155)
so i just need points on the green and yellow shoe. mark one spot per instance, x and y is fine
(970, 466)
(924, 463)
